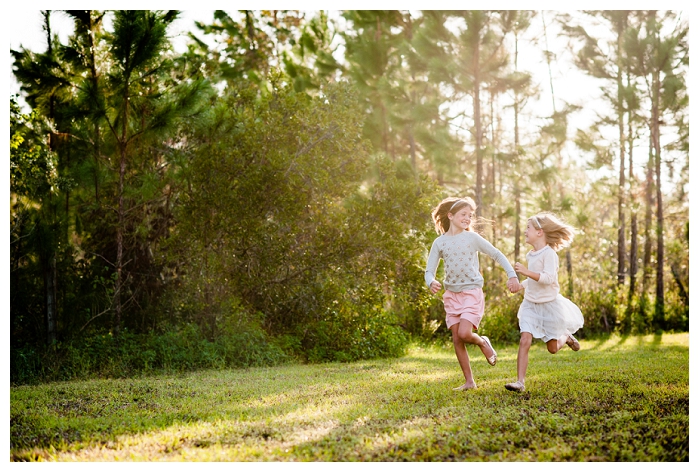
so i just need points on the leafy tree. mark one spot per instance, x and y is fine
(310, 62)
(34, 184)
(46, 88)
(520, 84)
(467, 50)
(120, 110)
(251, 45)
(657, 52)
(385, 57)
(594, 59)
(273, 217)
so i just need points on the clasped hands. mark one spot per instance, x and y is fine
(513, 285)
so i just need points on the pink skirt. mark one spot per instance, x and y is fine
(468, 305)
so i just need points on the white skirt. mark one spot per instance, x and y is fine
(550, 320)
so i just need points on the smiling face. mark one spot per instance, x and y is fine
(532, 234)
(461, 219)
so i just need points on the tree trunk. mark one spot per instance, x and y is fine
(621, 236)
(120, 243)
(650, 201)
(413, 100)
(569, 268)
(680, 286)
(121, 218)
(478, 126)
(548, 63)
(94, 78)
(633, 256)
(49, 262)
(659, 279)
(50, 279)
(518, 203)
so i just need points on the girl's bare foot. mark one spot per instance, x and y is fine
(466, 386)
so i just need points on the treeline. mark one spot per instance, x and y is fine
(265, 195)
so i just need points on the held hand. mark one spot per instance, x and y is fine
(513, 285)
(435, 286)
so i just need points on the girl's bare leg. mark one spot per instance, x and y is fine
(555, 345)
(469, 337)
(525, 342)
(462, 356)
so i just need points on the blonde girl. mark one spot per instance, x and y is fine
(544, 313)
(458, 246)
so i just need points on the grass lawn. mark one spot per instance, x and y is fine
(618, 399)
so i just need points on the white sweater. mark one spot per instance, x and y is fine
(545, 262)
(460, 256)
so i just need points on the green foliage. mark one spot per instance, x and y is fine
(32, 164)
(600, 310)
(178, 349)
(353, 326)
(500, 322)
(299, 242)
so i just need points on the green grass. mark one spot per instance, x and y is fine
(619, 399)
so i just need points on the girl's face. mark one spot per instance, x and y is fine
(532, 233)
(461, 220)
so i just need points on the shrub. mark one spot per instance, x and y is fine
(500, 321)
(599, 308)
(353, 327)
(676, 313)
(180, 348)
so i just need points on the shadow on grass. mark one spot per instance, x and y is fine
(371, 410)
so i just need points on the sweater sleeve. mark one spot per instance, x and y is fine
(485, 247)
(549, 274)
(432, 264)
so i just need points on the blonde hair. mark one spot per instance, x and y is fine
(558, 234)
(450, 205)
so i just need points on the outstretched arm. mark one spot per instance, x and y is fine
(485, 247)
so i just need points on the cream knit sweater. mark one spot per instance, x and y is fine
(545, 263)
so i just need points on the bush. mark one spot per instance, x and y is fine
(500, 321)
(178, 349)
(353, 327)
(376, 336)
(599, 308)
(676, 313)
